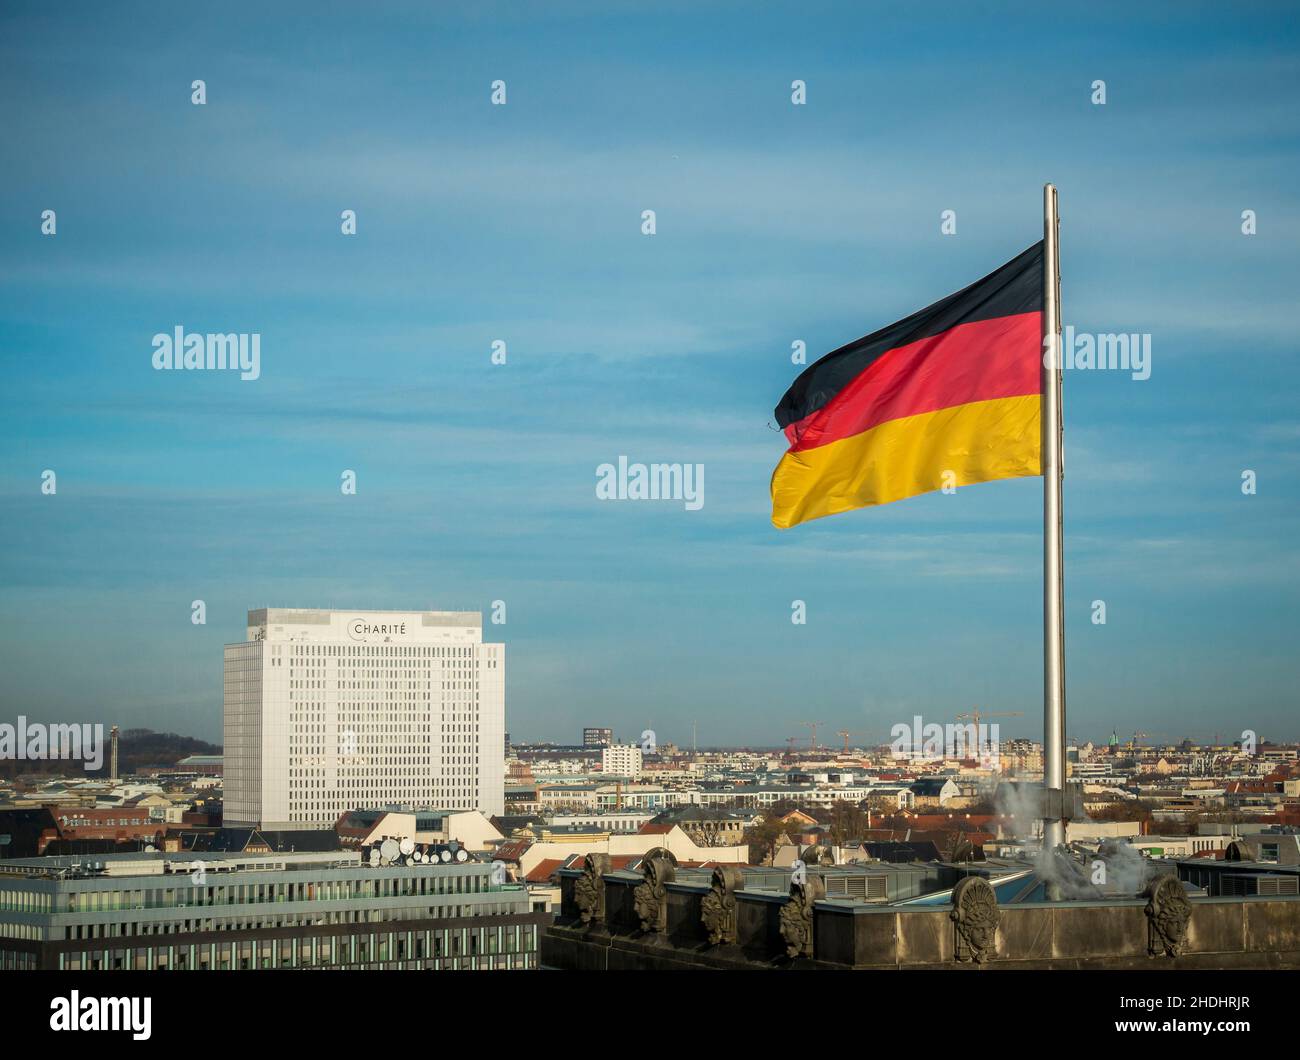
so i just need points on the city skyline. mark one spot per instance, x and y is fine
(477, 482)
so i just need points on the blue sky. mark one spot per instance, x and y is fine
(522, 223)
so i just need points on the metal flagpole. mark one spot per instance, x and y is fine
(1054, 811)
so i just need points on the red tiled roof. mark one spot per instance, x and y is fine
(544, 870)
(1259, 787)
(513, 850)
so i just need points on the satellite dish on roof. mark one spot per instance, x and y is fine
(408, 845)
(374, 855)
(445, 856)
(462, 855)
(388, 850)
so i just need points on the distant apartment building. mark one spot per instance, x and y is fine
(889, 797)
(637, 796)
(621, 759)
(626, 821)
(756, 796)
(326, 711)
(33, 831)
(1021, 757)
(466, 828)
(597, 737)
(708, 826)
(140, 821)
(561, 798)
(155, 911)
(1278, 754)
(522, 799)
(933, 792)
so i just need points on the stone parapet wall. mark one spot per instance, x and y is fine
(759, 929)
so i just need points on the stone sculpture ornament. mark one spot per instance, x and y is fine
(817, 854)
(718, 907)
(1168, 911)
(797, 916)
(975, 915)
(589, 889)
(658, 867)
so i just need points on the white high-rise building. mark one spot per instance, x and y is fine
(327, 711)
(622, 760)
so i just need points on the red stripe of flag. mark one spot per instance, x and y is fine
(978, 361)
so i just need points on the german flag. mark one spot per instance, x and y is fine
(954, 388)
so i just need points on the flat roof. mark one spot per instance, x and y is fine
(158, 864)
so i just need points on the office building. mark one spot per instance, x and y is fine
(597, 737)
(251, 911)
(326, 711)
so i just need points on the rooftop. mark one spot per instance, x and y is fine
(126, 866)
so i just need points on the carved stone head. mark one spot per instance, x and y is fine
(1168, 912)
(658, 867)
(589, 889)
(718, 907)
(975, 915)
(796, 919)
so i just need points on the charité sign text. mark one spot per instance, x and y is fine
(364, 630)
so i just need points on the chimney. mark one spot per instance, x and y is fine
(113, 760)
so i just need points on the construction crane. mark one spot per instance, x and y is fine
(975, 716)
(1136, 739)
(846, 733)
(790, 741)
(813, 726)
